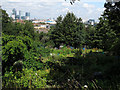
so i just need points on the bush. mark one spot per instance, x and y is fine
(27, 79)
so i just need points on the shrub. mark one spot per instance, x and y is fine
(27, 79)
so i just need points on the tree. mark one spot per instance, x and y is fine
(6, 22)
(28, 30)
(5, 18)
(68, 30)
(112, 13)
(12, 52)
(21, 48)
(91, 37)
(108, 27)
(12, 28)
(105, 34)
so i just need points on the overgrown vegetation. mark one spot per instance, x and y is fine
(70, 55)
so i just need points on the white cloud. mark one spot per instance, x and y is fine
(53, 8)
(88, 5)
(15, 0)
(35, 1)
(63, 11)
(66, 4)
(89, 8)
(66, 10)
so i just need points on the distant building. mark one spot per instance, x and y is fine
(16, 17)
(43, 25)
(40, 26)
(23, 17)
(50, 22)
(13, 16)
(36, 21)
(27, 15)
(91, 22)
(14, 13)
(20, 15)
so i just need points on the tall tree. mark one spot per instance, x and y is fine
(112, 13)
(68, 30)
(6, 22)
(105, 34)
(108, 27)
(91, 37)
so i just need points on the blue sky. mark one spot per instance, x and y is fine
(45, 9)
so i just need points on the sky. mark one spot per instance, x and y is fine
(46, 9)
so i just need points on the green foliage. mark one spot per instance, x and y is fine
(92, 40)
(6, 21)
(63, 52)
(116, 46)
(12, 52)
(112, 13)
(82, 69)
(27, 79)
(68, 30)
(6, 38)
(13, 28)
(22, 48)
(105, 34)
(28, 30)
(108, 27)
(26, 40)
(29, 62)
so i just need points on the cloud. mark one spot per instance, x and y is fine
(89, 8)
(65, 10)
(66, 4)
(88, 5)
(35, 1)
(54, 8)
(14, 0)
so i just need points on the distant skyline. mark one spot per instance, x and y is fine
(45, 9)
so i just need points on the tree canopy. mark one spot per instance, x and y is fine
(108, 28)
(68, 30)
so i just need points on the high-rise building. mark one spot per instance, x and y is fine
(13, 16)
(19, 14)
(23, 17)
(14, 13)
(27, 15)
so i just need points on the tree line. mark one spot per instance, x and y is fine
(70, 30)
